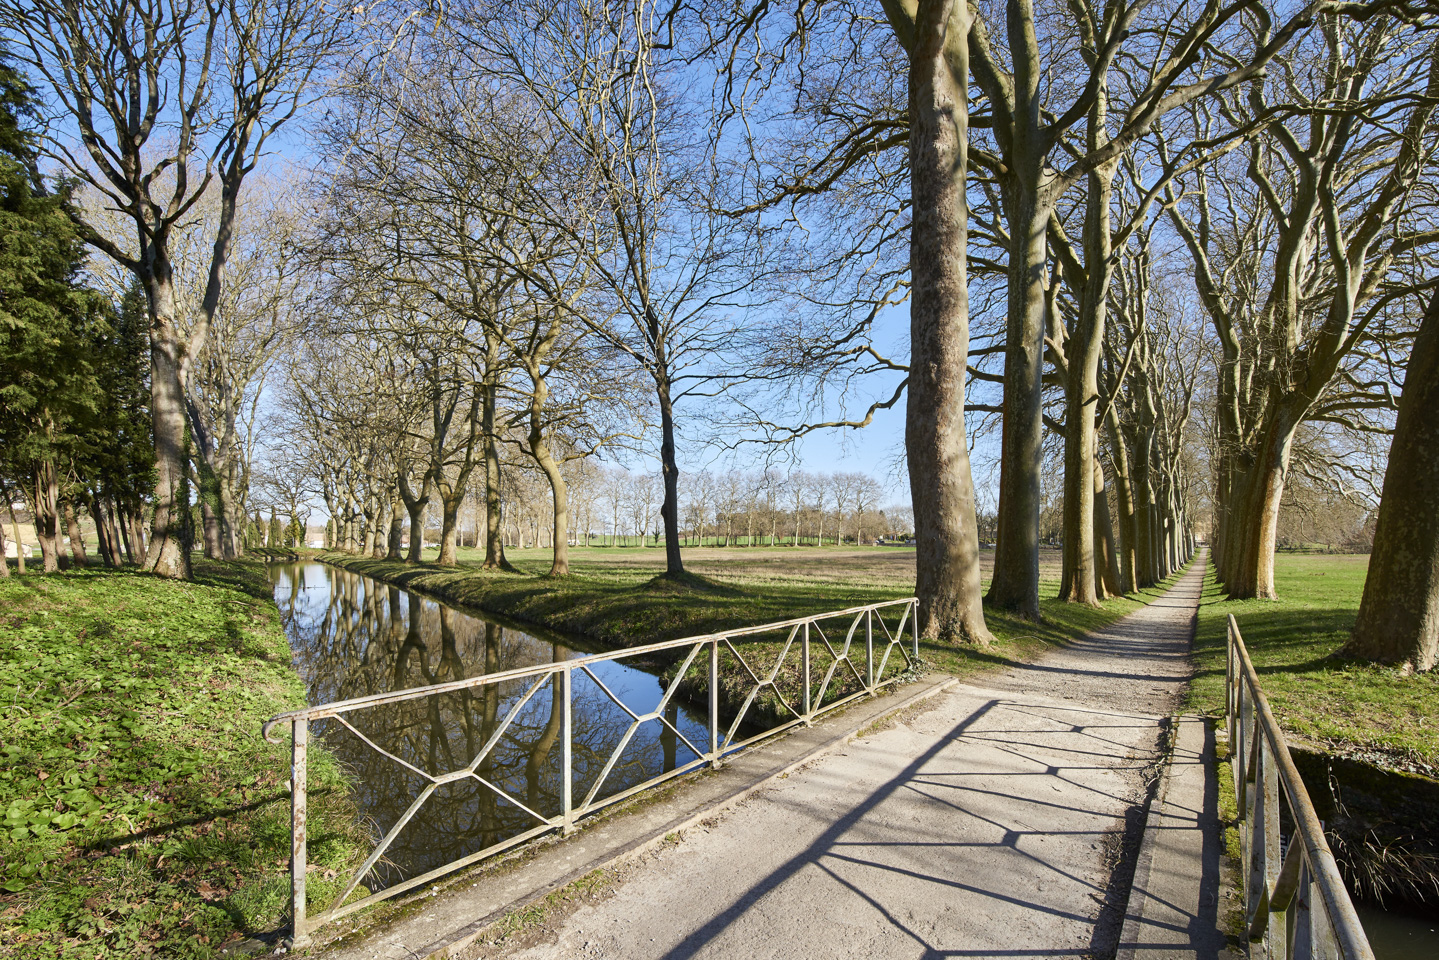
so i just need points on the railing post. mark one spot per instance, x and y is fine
(1321, 935)
(1229, 678)
(914, 627)
(299, 748)
(869, 647)
(714, 703)
(567, 751)
(804, 670)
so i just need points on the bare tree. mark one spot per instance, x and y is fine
(167, 100)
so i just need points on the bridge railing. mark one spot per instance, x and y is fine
(839, 656)
(1296, 904)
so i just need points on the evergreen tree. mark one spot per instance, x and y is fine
(275, 536)
(49, 324)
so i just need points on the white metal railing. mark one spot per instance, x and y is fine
(806, 637)
(1296, 904)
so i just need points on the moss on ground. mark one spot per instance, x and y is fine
(144, 815)
(1346, 705)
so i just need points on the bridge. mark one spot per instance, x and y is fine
(1049, 809)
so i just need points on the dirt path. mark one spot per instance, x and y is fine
(988, 825)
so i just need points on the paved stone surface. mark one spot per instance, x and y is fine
(1177, 899)
(450, 915)
(986, 826)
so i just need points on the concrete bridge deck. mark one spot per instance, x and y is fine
(1000, 820)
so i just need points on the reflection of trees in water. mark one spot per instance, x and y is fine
(366, 638)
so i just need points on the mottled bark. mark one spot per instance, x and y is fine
(1124, 498)
(1399, 613)
(45, 514)
(1015, 586)
(72, 530)
(1258, 531)
(165, 555)
(947, 580)
(1106, 557)
(415, 503)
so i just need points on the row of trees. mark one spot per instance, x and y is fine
(617, 507)
(1162, 245)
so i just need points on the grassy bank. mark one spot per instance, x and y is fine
(1346, 706)
(615, 598)
(143, 813)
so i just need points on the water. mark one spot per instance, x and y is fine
(1399, 936)
(353, 636)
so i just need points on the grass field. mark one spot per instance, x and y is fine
(143, 813)
(1345, 705)
(612, 595)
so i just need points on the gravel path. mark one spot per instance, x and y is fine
(988, 825)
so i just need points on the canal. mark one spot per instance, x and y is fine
(353, 636)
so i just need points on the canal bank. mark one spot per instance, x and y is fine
(143, 815)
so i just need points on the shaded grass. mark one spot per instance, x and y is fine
(1347, 705)
(143, 812)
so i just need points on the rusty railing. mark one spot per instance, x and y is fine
(865, 653)
(1296, 904)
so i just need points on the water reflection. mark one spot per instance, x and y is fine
(353, 637)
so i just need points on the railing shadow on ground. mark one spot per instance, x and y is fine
(448, 736)
(935, 868)
(1296, 904)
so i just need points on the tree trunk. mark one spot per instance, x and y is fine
(45, 514)
(1399, 613)
(1106, 557)
(210, 524)
(415, 503)
(947, 580)
(397, 526)
(383, 529)
(1124, 499)
(232, 513)
(72, 530)
(1084, 566)
(540, 450)
(1015, 586)
(494, 507)
(15, 528)
(449, 527)
(166, 555)
(670, 476)
(1253, 577)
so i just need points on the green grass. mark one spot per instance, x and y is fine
(1343, 705)
(612, 596)
(144, 815)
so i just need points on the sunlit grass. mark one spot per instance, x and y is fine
(613, 596)
(1293, 642)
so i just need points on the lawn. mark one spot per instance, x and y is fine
(1345, 706)
(143, 813)
(613, 597)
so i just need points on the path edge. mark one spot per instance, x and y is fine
(451, 943)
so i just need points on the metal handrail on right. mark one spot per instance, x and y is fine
(1296, 904)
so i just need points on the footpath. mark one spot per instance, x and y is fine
(1003, 820)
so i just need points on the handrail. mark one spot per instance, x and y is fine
(878, 645)
(1277, 884)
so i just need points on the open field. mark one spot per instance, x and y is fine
(613, 597)
(143, 813)
(1344, 705)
